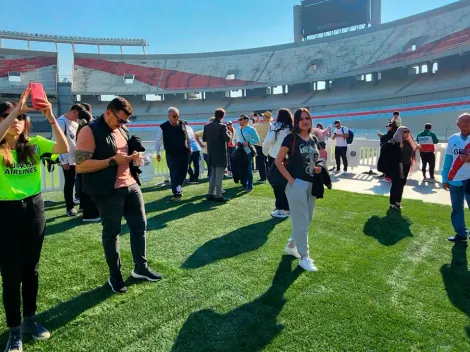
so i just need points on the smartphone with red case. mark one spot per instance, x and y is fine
(36, 92)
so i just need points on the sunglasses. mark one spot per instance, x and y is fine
(406, 131)
(21, 117)
(119, 119)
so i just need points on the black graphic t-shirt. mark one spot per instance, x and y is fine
(305, 155)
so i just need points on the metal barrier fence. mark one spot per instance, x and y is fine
(361, 153)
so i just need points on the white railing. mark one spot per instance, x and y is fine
(361, 153)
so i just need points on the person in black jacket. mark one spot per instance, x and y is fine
(396, 159)
(172, 135)
(384, 138)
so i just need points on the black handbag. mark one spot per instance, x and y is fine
(275, 178)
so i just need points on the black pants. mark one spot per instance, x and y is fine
(341, 153)
(194, 159)
(261, 163)
(398, 184)
(178, 165)
(279, 192)
(124, 202)
(229, 158)
(206, 160)
(428, 158)
(69, 178)
(23, 228)
(90, 211)
(78, 187)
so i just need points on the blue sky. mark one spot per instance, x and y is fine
(170, 26)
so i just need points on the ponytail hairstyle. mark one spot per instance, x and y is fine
(24, 150)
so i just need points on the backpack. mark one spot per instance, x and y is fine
(350, 138)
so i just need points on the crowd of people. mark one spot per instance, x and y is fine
(101, 160)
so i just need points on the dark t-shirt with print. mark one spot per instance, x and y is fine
(305, 155)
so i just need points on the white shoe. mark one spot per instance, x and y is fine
(292, 251)
(92, 220)
(281, 214)
(345, 173)
(307, 264)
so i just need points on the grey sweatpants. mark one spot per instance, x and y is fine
(215, 181)
(301, 204)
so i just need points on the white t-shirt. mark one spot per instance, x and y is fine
(341, 141)
(70, 130)
(455, 147)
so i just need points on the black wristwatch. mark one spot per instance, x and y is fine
(112, 162)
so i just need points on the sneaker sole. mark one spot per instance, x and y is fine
(137, 276)
(112, 288)
(37, 338)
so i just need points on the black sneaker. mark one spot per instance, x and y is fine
(457, 238)
(36, 331)
(15, 340)
(210, 197)
(72, 213)
(117, 284)
(221, 199)
(146, 273)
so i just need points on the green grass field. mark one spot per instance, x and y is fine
(386, 282)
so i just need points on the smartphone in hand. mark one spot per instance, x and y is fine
(37, 91)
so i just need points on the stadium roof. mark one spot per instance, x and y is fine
(71, 39)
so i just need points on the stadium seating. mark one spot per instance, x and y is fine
(34, 66)
(435, 33)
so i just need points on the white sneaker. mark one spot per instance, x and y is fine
(292, 251)
(345, 172)
(281, 214)
(307, 264)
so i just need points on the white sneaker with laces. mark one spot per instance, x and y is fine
(307, 264)
(345, 172)
(292, 251)
(281, 214)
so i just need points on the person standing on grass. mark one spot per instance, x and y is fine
(230, 147)
(457, 159)
(271, 147)
(216, 136)
(262, 128)
(203, 144)
(384, 138)
(173, 136)
(245, 137)
(396, 160)
(303, 151)
(103, 158)
(340, 135)
(321, 133)
(69, 124)
(22, 215)
(194, 158)
(427, 139)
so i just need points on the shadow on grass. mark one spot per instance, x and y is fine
(388, 230)
(242, 240)
(63, 226)
(249, 327)
(65, 312)
(456, 277)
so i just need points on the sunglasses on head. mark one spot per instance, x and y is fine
(21, 117)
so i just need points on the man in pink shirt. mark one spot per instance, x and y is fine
(102, 156)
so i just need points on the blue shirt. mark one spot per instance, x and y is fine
(195, 147)
(250, 134)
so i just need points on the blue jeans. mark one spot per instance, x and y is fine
(457, 197)
(248, 181)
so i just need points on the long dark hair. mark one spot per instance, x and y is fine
(24, 150)
(297, 116)
(284, 120)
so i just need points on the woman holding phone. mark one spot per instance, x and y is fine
(22, 214)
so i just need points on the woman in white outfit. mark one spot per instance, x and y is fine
(271, 146)
(303, 151)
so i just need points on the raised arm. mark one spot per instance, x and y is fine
(61, 146)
